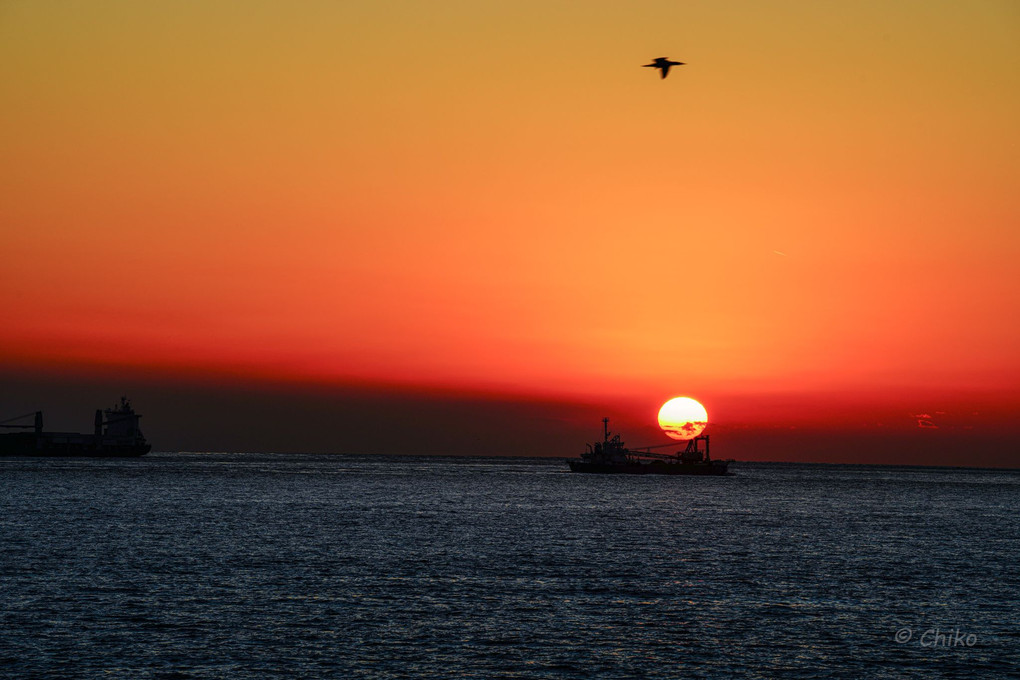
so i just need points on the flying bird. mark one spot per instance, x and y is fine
(663, 64)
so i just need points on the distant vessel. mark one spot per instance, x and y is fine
(116, 434)
(610, 456)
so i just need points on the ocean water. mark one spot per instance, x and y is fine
(279, 566)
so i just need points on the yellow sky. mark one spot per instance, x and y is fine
(496, 194)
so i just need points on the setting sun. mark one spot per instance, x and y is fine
(682, 418)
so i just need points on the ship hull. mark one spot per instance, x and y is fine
(715, 468)
(77, 446)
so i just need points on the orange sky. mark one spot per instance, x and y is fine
(495, 196)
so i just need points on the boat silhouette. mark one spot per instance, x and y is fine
(610, 456)
(116, 434)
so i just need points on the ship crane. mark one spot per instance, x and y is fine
(36, 424)
(657, 446)
(4, 423)
(691, 451)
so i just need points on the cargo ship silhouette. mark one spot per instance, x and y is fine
(116, 434)
(611, 456)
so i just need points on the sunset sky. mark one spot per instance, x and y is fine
(814, 224)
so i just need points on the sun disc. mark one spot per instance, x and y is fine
(682, 418)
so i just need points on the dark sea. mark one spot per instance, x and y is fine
(294, 566)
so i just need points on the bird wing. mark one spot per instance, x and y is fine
(665, 69)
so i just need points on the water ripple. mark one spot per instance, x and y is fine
(266, 566)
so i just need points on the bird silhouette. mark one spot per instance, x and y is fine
(663, 64)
